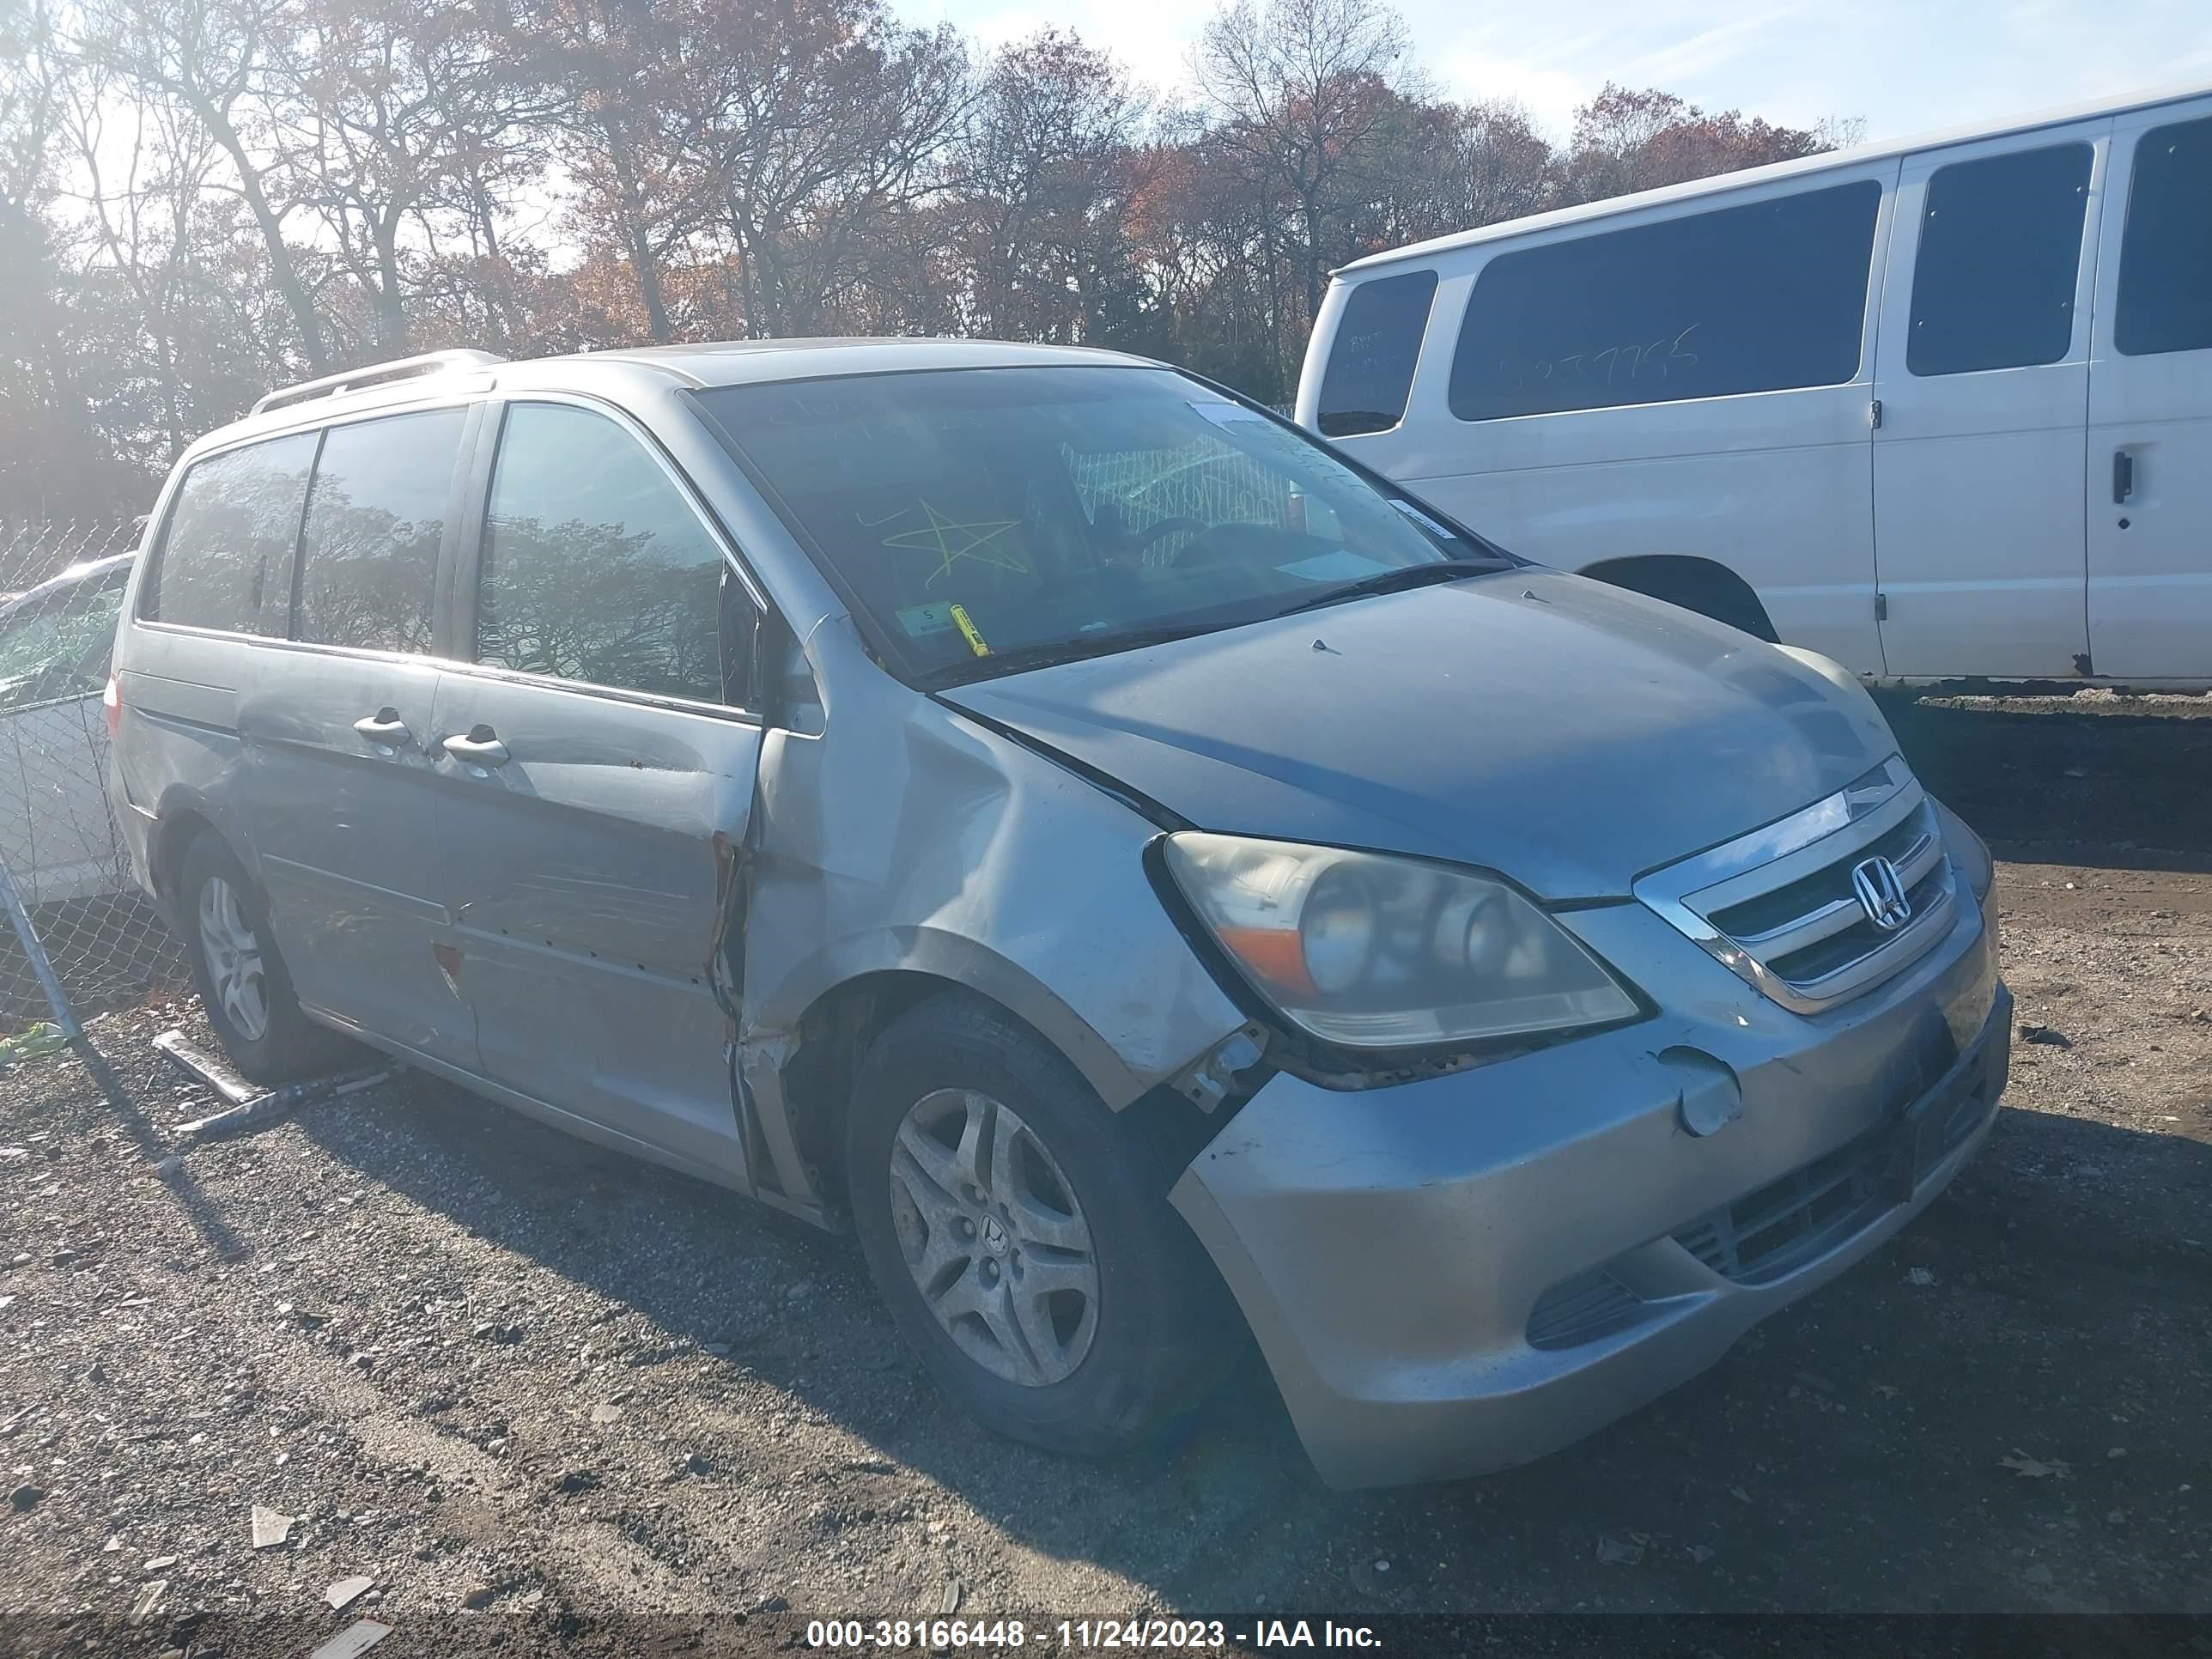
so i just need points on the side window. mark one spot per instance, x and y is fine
(2000, 248)
(1758, 298)
(2166, 252)
(595, 568)
(226, 559)
(1370, 360)
(368, 560)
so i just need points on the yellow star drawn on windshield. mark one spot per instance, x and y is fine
(952, 541)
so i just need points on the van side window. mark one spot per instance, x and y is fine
(2166, 252)
(1370, 360)
(594, 566)
(226, 560)
(1759, 298)
(1999, 249)
(368, 562)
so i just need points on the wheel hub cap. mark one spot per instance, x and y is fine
(992, 1232)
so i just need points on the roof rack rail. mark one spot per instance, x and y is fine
(352, 380)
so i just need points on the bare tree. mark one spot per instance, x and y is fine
(189, 186)
(213, 57)
(1042, 165)
(1298, 89)
(398, 123)
(828, 125)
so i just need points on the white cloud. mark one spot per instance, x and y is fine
(1904, 66)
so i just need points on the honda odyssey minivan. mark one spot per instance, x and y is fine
(1134, 868)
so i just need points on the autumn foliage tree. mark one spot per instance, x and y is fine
(199, 198)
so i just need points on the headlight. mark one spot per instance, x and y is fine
(1375, 952)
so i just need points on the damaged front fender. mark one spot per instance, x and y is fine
(907, 838)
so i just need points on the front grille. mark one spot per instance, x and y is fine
(1778, 908)
(1818, 1207)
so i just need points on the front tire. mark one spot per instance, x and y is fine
(242, 982)
(1020, 1234)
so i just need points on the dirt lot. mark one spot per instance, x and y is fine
(478, 1361)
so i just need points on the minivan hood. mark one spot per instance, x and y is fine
(1564, 733)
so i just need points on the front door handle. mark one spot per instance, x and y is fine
(480, 747)
(384, 728)
(2123, 476)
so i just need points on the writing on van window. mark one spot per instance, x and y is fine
(226, 559)
(595, 568)
(1765, 296)
(1612, 365)
(376, 513)
(1372, 360)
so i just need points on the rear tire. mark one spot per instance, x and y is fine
(242, 982)
(1020, 1234)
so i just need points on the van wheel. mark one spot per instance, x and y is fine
(241, 980)
(1020, 1234)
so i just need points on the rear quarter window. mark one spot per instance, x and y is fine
(1372, 357)
(226, 559)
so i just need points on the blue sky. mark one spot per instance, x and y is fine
(1904, 67)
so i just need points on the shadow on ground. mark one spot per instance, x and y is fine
(2050, 784)
(1848, 1456)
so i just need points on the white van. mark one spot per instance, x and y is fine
(1940, 409)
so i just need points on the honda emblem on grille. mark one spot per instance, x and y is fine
(1881, 893)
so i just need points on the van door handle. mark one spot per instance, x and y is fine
(384, 727)
(2123, 476)
(480, 747)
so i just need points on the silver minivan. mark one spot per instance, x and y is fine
(1147, 876)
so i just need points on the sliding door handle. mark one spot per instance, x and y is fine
(480, 747)
(383, 731)
(2123, 476)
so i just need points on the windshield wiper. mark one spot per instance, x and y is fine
(1044, 655)
(1391, 581)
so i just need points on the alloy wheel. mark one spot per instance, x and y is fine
(995, 1237)
(232, 951)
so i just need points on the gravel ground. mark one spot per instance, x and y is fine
(489, 1367)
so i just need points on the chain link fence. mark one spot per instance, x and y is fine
(64, 874)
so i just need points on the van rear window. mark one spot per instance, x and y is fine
(225, 561)
(1370, 359)
(1759, 298)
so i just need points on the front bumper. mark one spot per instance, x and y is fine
(1465, 1273)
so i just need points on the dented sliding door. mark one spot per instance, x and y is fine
(597, 785)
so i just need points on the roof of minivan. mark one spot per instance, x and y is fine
(716, 363)
(1722, 182)
(733, 363)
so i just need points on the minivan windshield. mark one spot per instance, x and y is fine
(992, 519)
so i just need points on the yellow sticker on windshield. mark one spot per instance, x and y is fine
(968, 631)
